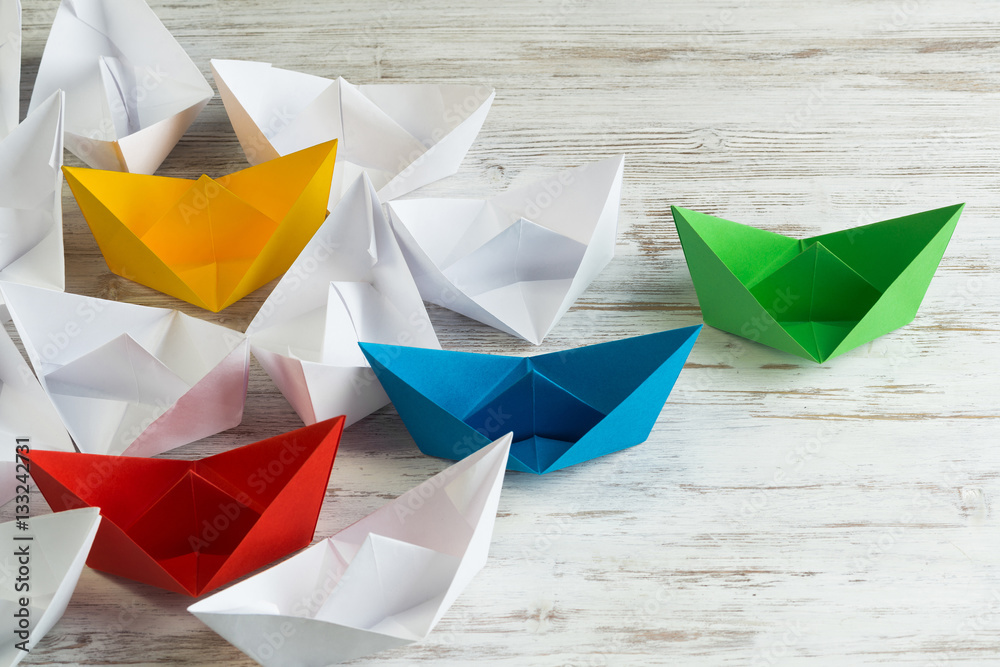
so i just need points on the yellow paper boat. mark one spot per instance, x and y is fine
(208, 241)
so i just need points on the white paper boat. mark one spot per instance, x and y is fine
(403, 135)
(57, 551)
(381, 583)
(130, 379)
(131, 90)
(31, 238)
(517, 261)
(10, 65)
(25, 412)
(349, 284)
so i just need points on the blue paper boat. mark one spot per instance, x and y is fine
(563, 407)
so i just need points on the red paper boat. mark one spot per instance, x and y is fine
(192, 526)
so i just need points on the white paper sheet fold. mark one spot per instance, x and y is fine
(129, 379)
(349, 284)
(57, 552)
(517, 261)
(131, 90)
(383, 582)
(31, 238)
(25, 412)
(402, 135)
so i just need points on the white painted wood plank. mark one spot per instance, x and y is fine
(781, 511)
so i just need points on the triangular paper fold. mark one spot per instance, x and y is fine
(383, 582)
(210, 241)
(31, 238)
(129, 379)
(517, 261)
(131, 90)
(349, 284)
(402, 135)
(57, 546)
(192, 526)
(563, 407)
(819, 297)
(26, 413)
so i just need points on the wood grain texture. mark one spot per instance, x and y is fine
(782, 512)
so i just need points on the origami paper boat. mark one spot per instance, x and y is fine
(131, 90)
(818, 297)
(211, 241)
(517, 261)
(402, 135)
(25, 412)
(57, 548)
(381, 583)
(350, 283)
(563, 407)
(192, 526)
(31, 239)
(130, 379)
(10, 65)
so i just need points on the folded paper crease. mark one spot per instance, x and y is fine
(349, 284)
(131, 90)
(129, 379)
(819, 297)
(454, 402)
(381, 583)
(192, 526)
(403, 136)
(31, 236)
(518, 261)
(209, 241)
(59, 545)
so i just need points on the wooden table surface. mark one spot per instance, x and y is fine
(782, 512)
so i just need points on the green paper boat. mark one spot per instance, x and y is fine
(818, 297)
